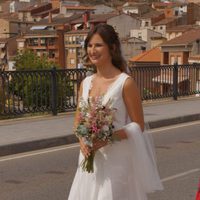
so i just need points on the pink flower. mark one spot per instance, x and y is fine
(95, 129)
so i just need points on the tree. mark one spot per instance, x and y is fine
(32, 88)
(30, 61)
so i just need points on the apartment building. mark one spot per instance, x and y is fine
(36, 12)
(74, 48)
(12, 27)
(8, 50)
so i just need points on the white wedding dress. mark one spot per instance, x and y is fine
(124, 170)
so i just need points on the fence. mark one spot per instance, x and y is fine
(164, 81)
(56, 90)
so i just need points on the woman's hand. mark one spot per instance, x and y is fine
(120, 134)
(97, 144)
(85, 149)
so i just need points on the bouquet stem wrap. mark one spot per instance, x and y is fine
(88, 163)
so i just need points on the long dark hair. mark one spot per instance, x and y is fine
(110, 37)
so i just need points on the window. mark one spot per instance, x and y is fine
(51, 41)
(43, 41)
(74, 39)
(161, 27)
(70, 39)
(140, 35)
(72, 61)
(21, 44)
(146, 23)
(33, 42)
(51, 54)
(172, 60)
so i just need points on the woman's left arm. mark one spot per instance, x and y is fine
(133, 104)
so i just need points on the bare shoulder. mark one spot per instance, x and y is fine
(129, 85)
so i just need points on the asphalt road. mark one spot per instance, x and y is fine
(48, 174)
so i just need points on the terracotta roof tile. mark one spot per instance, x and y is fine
(152, 55)
(33, 7)
(165, 21)
(79, 7)
(186, 38)
(95, 18)
(181, 28)
(151, 14)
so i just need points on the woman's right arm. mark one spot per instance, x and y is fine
(84, 148)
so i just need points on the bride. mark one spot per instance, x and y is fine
(126, 169)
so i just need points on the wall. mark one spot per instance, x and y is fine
(4, 28)
(123, 24)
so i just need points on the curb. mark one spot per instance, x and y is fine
(173, 121)
(23, 147)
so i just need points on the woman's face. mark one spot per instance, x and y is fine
(98, 51)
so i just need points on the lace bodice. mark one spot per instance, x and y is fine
(114, 92)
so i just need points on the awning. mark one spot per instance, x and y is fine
(77, 25)
(168, 79)
(38, 27)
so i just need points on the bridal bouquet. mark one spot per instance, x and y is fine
(95, 122)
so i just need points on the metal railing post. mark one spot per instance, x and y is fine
(175, 81)
(54, 92)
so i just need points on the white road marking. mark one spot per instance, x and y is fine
(38, 152)
(174, 126)
(180, 175)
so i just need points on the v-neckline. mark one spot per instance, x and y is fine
(108, 89)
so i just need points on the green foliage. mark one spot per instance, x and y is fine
(34, 89)
(30, 61)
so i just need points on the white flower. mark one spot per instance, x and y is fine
(105, 128)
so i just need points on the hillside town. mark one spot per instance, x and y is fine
(161, 32)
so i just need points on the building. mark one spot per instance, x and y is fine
(164, 24)
(88, 20)
(47, 38)
(145, 35)
(132, 46)
(36, 12)
(150, 18)
(68, 11)
(102, 9)
(145, 78)
(177, 31)
(145, 58)
(181, 48)
(171, 9)
(123, 23)
(8, 51)
(74, 48)
(136, 8)
(12, 27)
(157, 41)
(193, 14)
